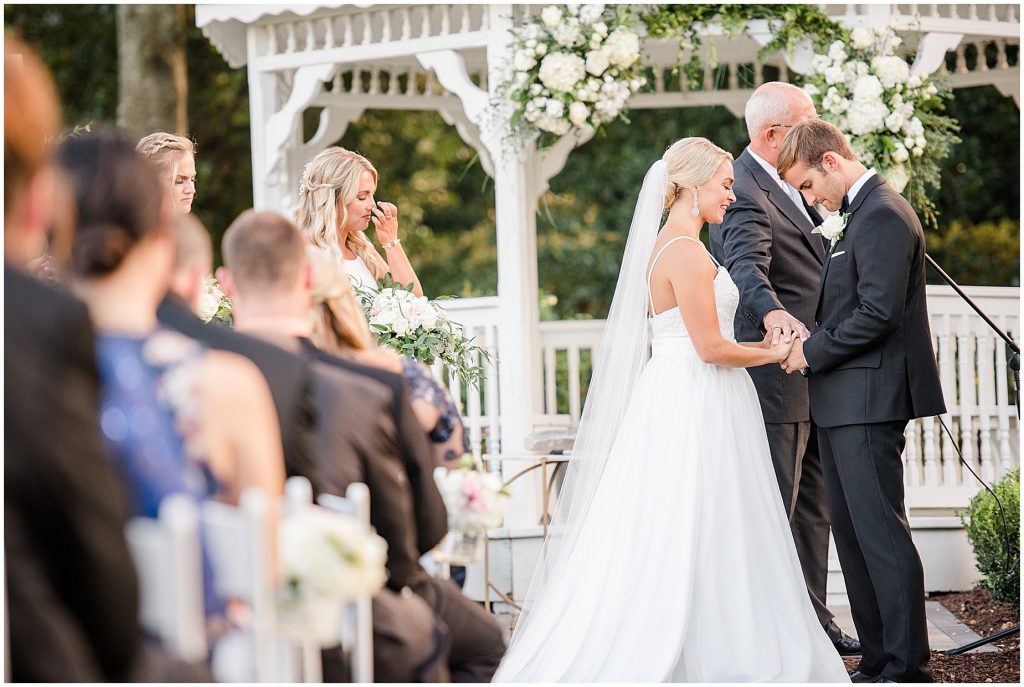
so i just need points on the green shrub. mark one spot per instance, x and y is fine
(985, 532)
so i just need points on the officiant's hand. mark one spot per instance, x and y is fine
(795, 361)
(781, 325)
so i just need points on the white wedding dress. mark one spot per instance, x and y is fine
(683, 568)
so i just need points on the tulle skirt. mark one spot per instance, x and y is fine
(685, 569)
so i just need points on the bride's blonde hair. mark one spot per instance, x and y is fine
(329, 183)
(690, 162)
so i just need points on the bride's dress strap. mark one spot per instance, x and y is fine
(650, 294)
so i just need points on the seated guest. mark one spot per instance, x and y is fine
(340, 328)
(268, 277)
(175, 417)
(175, 157)
(286, 374)
(71, 585)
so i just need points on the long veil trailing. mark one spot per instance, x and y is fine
(621, 358)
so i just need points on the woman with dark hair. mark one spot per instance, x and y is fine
(175, 417)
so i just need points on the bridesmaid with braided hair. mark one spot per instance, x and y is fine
(336, 205)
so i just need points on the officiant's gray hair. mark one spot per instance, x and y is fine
(690, 162)
(771, 104)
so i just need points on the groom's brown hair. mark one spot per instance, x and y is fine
(808, 141)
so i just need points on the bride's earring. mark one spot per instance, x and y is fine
(695, 211)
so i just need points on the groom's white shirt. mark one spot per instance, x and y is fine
(783, 184)
(857, 185)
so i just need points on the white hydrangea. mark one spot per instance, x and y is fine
(811, 90)
(551, 16)
(600, 29)
(598, 61)
(591, 13)
(837, 51)
(861, 38)
(892, 71)
(555, 108)
(561, 71)
(868, 88)
(897, 177)
(623, 48)
(568, 33)
(866, 116)
(834, 74)
(523, 61)
(900, 154)
(555, 125)
(894, 122)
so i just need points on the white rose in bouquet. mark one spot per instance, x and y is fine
(900, 154)
(551, 16)
(330, 556)
(561, 71)
(207, 306)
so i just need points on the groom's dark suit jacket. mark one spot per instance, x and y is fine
(766, 244)
(870, 356)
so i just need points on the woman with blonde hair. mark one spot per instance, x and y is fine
(340, 328)
(336, 204)
(671, 558)
(175, 156)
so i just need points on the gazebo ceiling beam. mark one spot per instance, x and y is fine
(362, 54)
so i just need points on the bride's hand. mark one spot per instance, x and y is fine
(781, 350)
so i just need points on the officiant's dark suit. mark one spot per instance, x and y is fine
(872, 369)
(766, 244)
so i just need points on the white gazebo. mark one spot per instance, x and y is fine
(346, 58)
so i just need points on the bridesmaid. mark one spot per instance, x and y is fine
(336, 205)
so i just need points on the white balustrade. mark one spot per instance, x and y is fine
(971, 361)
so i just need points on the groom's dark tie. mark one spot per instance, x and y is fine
(846, 204)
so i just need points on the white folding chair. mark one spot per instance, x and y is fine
(357, 620)
(167, 557)
(237, 542)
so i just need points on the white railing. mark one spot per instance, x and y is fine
(972, 366)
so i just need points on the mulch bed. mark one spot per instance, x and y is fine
(978, 611)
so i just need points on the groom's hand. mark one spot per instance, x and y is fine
(782, 326)
(795, 361)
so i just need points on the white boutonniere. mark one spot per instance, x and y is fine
(832, 228)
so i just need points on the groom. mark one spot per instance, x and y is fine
(871, 369)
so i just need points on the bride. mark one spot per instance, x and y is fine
(670, 557)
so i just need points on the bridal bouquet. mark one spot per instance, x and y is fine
(213, 302)
(572, 66)
(475, 500)
(417, 327)
(325, 560)
(893, 118)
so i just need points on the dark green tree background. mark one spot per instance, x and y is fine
(447, 202)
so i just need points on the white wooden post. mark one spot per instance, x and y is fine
(515, 223)
(263, 99)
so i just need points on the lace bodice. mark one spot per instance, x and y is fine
(669, 323)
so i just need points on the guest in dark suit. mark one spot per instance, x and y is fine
(871, 368)
(286, 374)
(267, 274)
(766, 244)
(72, 591)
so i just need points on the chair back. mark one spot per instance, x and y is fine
(357, 620)
(167, 557)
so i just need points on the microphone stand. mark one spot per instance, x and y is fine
(1014, 364)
